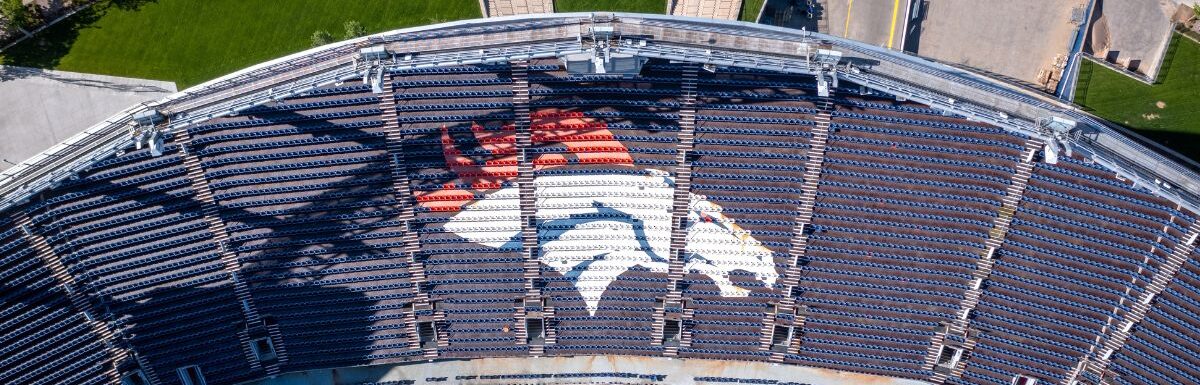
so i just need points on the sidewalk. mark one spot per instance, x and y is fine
(40, 108)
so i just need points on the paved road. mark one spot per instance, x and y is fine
(876, 22)
(1013, 38)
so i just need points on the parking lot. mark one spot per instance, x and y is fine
(878, 22)
(1017, 39)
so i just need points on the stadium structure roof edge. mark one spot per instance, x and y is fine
(939, 85)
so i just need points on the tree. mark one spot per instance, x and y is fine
(354, 29)
(1196, 10)
(320, 38)
(16, 14)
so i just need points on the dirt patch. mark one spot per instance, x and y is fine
(1182, 14)
(1099, 42)
(1131, 33)
(1160, 104)
(1150, 117)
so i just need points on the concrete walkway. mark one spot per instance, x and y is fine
(40, 108)
(497, 8)
(713, 9)
(565, 370)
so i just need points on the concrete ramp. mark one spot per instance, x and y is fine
(713, 9)
(497, 8)
(631, 370)
(40, 108)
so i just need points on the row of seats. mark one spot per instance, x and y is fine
(898, 202)
(942, 186)
(248, 123)
(1105, 193)
(919, 123)
(925, 135)
(918, 158)
(926, 148)
(283, 107)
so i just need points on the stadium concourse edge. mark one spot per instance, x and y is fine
(519, 212)
(715, 9)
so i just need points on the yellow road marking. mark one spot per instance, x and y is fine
(892, 31)
(846, 29)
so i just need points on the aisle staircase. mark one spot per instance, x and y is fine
(983, 268)
(785, 311)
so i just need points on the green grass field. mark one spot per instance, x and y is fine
(640, 6)
(750, 10)
(1168, 113)
(192, 41)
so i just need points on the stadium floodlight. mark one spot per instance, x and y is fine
(377, 83)
(1051, 151)
(1057, 131)
(145, 131)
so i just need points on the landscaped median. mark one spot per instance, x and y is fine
(1167, 112)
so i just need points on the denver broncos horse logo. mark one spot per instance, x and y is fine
(593, 227)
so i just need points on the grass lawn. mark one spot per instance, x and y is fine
(750, 10)
(192, 41)
(640, 6)
(1168, 113)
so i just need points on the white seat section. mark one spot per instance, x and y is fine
(641, 182)
(598, 226)
(608, 235)
(565, 269)
(476, 227)
(640, 226)
(549, 217)
(574, 258)
(587, 192)
(633, 247)
(609, 202)
(504, 194)
(493, 205)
